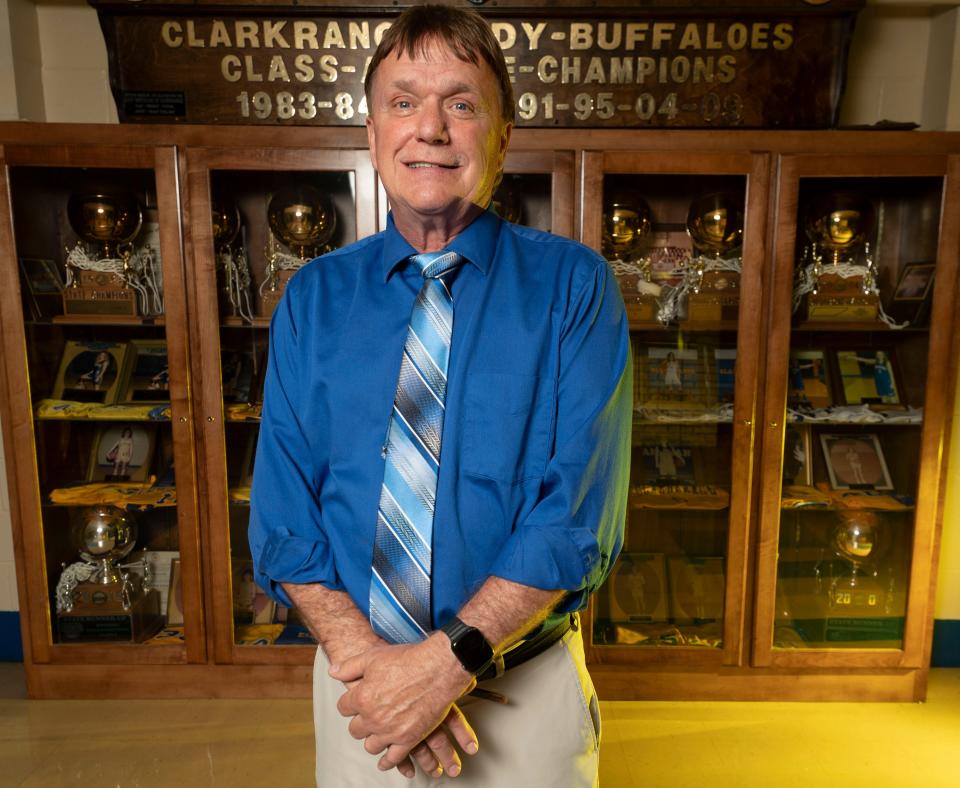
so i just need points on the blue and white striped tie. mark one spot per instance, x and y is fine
(402, 549)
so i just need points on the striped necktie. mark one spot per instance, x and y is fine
(402, 550)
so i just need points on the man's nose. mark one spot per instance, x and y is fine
(432, 127)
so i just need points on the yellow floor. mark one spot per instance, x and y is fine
(245, 744)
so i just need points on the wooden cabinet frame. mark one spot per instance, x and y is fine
(19, 424)
(755, 168)
(772, 163)
(937, 411)
(199, 166)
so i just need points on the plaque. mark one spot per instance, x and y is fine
(98, 614)
(637, 588)
(573, 64)
(696, 589)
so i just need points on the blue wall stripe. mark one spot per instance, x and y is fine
(11, 649)
(946, 644)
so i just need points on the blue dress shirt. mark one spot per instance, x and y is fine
(534, 470)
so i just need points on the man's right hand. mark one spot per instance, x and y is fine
(344, 632)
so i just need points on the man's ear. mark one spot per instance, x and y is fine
(504, 141)
(372, 142)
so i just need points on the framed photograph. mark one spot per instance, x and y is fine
(725, 362)
(697, 589)
(665, 463)
(148, 378)
(913, 293)
(42, 285)
(915, 282)
(637, 588)
(855, 461)
(251, 605)
(175, 596)
(238, 370)
(672, 378)
(867, 377)
(91, 372)
(808, 380)
(122, 453)
(797, 459)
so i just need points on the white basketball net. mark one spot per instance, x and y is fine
(139, 270)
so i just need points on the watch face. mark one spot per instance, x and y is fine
(472, 649)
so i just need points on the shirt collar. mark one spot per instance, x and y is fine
(476, 243)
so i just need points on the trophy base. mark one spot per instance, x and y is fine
(642, 308)
(841, 300)
(710, 307)
(108, 300)
(98, 615)
(271, 298)
(826, 308)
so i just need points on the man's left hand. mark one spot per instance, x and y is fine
(404, 692)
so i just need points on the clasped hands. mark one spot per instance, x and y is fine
(402, 701)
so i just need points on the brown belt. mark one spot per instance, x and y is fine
(530, 648)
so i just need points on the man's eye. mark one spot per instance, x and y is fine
(402, 104)
(462, 106)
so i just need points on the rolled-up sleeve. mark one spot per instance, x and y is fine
(286, 534)
(573, 534)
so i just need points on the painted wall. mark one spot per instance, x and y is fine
(904, 66)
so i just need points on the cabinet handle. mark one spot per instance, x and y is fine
(746, 422)
(183, 419)
(773, 425)
(211, 419)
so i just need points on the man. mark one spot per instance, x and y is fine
(439, 529)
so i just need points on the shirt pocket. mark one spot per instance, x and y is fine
(507, 426)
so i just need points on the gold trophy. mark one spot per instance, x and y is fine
(225, 217)
(101, 286)
(856, 588)
(715, 224)
(626, 226)
(303, 219)
(112, 604)
(838, 223)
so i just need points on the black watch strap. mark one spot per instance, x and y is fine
(469, 646)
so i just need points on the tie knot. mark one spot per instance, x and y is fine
(435, 264)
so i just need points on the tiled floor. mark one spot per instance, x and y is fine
(246, 744)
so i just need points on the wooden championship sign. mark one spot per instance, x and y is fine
(610, 63)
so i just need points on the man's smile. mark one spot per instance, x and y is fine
(422, 164)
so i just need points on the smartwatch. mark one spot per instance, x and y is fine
(469, 646)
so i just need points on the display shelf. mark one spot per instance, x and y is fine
(107, 320)
(68, 410)
(841, 326)
(239, 322)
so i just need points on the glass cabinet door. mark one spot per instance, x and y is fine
(684, 236)
(103, 429)
(257, 218)
(537, 190)
(856, 388)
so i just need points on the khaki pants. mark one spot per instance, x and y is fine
(546, 736)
